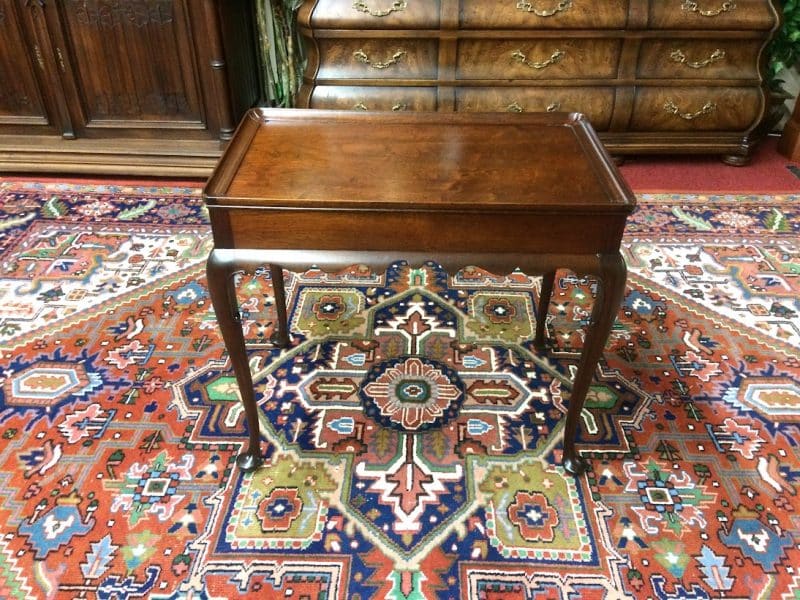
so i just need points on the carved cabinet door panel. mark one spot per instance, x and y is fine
(24, 104)
(129, 66)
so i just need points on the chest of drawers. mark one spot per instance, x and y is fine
(653, 76)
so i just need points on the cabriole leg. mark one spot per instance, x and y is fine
(610, 290)
(220, 272)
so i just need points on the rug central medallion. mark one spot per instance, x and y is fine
(411, 393)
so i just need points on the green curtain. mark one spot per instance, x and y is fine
(282, 60)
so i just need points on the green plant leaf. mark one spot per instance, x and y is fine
(784, 50)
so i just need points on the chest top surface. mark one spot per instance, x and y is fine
(318, 159)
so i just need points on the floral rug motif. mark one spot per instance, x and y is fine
(411, 432)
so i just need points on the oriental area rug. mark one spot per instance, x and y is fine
(411, 434)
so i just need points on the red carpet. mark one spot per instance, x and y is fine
(120, 420)
(768, 173)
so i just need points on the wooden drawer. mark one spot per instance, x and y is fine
(376, 14)
(696, 109)
(711, 14)
(555, 58)
(597, 103)
(373, 98)
(544, 14)
(378, 58)
(699, 59)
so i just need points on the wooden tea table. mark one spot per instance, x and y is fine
(297, 188)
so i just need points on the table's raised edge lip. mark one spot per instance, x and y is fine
(399, 206)
(215, 190)
(601, 160)
(221, 177)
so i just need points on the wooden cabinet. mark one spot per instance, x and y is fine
(150, 87)
(653, 76)
(25, 105)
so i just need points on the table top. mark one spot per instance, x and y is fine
(320, 159)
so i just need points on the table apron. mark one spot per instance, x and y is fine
(443, 232)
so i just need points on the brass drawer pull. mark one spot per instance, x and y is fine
(679, 57)
(526, 6)
(556, 57)
(362, 57)
(516, 108)
(400, 106)
(397, 6)
(692, 6)
(672, 108)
